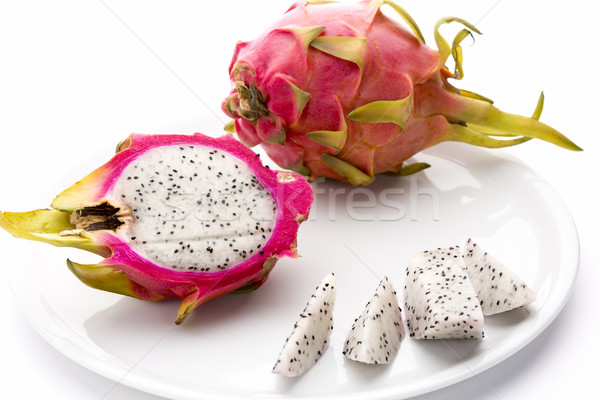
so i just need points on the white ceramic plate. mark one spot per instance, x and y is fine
(227, 348)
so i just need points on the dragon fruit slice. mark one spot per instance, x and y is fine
(498, 288)
(440, 300)
(175, 216)
(376, 334)
(342, 91)
(310, 336)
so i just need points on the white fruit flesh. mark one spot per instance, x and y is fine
(498, 288)
(310, 336)
(376, 334)
(440, 301)
(194, 208)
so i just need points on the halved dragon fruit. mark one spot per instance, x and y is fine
(376, 334)
(498, 288)
(341, 90)
(175, 216)
(440, 300)
(310, 336)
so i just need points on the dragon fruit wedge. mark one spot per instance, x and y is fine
(175, 216)
(498, 288)
(342, 91)
(376, 334)
(310, 336)
(440, 300)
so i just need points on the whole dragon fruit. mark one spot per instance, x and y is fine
(175, 216)
(342, 91)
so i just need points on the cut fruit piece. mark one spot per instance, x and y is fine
(376, 334)
(498, 288)
(310, 336)
(440, 300)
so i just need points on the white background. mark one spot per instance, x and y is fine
(78, 76)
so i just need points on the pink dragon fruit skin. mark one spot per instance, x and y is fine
(342, 91)
(125, 270)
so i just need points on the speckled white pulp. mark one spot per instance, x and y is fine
(194, 208)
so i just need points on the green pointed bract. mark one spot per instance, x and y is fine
(189, 304)
(229, 127)
(474, 95)
(38, 221)
(412, 169)
(444, 48)
(123, 144)
(485, 118)
(278, 138)
(537, 113)
(299, 168)
(306, 34)
(348, 48)
(333, 139)
(460, 133)
(457, 52)
(253, 285)
(397, 112)
(354, 175)
(302, 97)
(405, 16)
(49, 226)
(83, 193)
(110, 279)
